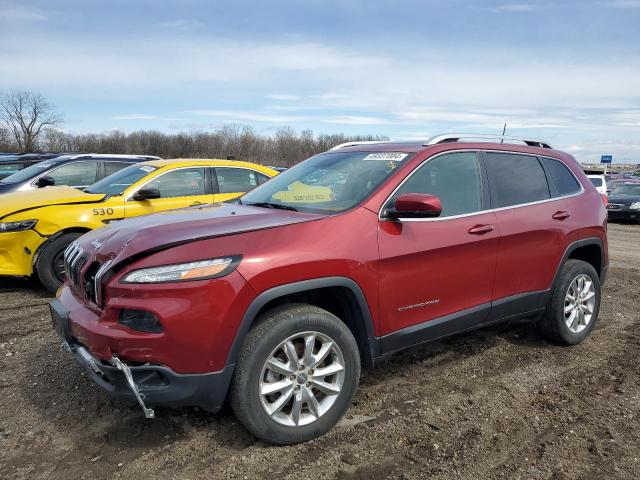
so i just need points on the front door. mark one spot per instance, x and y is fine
(178, 189)
(436, 275)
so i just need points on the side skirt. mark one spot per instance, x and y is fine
(509, 308)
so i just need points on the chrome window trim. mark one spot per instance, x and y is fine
(130, 196)
(479, 212)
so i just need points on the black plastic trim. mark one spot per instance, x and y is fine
(372, 342)
(508, 308)
(583, 243)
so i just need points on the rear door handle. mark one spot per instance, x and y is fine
(561, 215)
(481, 229)
(195, 204)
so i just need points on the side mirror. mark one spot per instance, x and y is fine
(45, 182)
(147, 194)
(415, 205)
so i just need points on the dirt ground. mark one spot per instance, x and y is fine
(496, 403)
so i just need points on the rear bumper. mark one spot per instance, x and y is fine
(159, 384)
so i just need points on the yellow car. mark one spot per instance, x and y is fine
(37, 226)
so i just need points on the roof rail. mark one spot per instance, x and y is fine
(355, 144)
(455, 137)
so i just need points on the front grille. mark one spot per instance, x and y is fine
(74, 259)
(615, 206)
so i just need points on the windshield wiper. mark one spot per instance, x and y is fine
(272, 205)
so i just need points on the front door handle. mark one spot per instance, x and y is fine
(481, 229)
(561, 215)
(195, 204)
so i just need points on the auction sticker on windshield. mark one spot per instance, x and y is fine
(386, 156)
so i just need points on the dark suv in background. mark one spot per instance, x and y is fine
(275, 301)
(77, 171)
(11, 163)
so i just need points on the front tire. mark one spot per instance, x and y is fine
(50, 266)
(574, 306)
(296, 375)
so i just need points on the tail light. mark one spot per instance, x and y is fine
(605, 199)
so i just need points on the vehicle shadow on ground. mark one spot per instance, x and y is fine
(15, 284)
(86, 413)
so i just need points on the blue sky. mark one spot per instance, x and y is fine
(564, 71)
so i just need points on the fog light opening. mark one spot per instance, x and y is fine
(140, 320)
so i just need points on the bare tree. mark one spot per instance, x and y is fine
(25, 114)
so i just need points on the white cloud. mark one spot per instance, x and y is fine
(624, 3)
(239, 116)
(356, 120)
(20, 13)
(136, 116)
(283, 97)
(517, 7)
(181, 24)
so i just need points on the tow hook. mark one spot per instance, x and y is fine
(116, 362)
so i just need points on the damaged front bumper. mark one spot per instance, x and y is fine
(148, 384)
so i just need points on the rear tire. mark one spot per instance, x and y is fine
(573, 309)
(49, 261)
(290, 352)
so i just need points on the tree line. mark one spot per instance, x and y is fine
(28, 122)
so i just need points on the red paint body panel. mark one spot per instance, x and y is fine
(397, 265)
(434, 262)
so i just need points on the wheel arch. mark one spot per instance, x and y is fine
(339, 295)
(590, 250)
(53, 237)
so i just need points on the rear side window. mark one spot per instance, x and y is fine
(515, 179)
(76, 174)
(7, 169)
(236, 180)
(597, 182)
(562, 178)
(454, 178)
(113, 167)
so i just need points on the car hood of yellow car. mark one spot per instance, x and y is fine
(15, 202)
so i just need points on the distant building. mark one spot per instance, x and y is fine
(596, 168)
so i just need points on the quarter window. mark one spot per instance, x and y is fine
(76, 174)
(454, 178)
(236, 180)
(186, 182)
(516, 179)
(562, 178)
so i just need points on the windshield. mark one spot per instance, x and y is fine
(627, 190)
(121, 180)
(327, 183)
(29, 172)
(597, 182)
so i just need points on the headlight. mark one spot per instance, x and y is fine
(635, 206)
(203, 269)
(20, 226)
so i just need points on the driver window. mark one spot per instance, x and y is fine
(186, 182)
(454, 178)
(76, 174)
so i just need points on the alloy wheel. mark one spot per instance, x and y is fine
(579, 303)
(301, 379)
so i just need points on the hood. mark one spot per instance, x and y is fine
(623, 199)
(15, 202)
(129, 238)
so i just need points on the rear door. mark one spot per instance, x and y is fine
(231, 182)
(183, 187)
(110, 167)
(534, 228)
(436, 275)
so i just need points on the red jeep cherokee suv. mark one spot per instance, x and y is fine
(275, 300)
